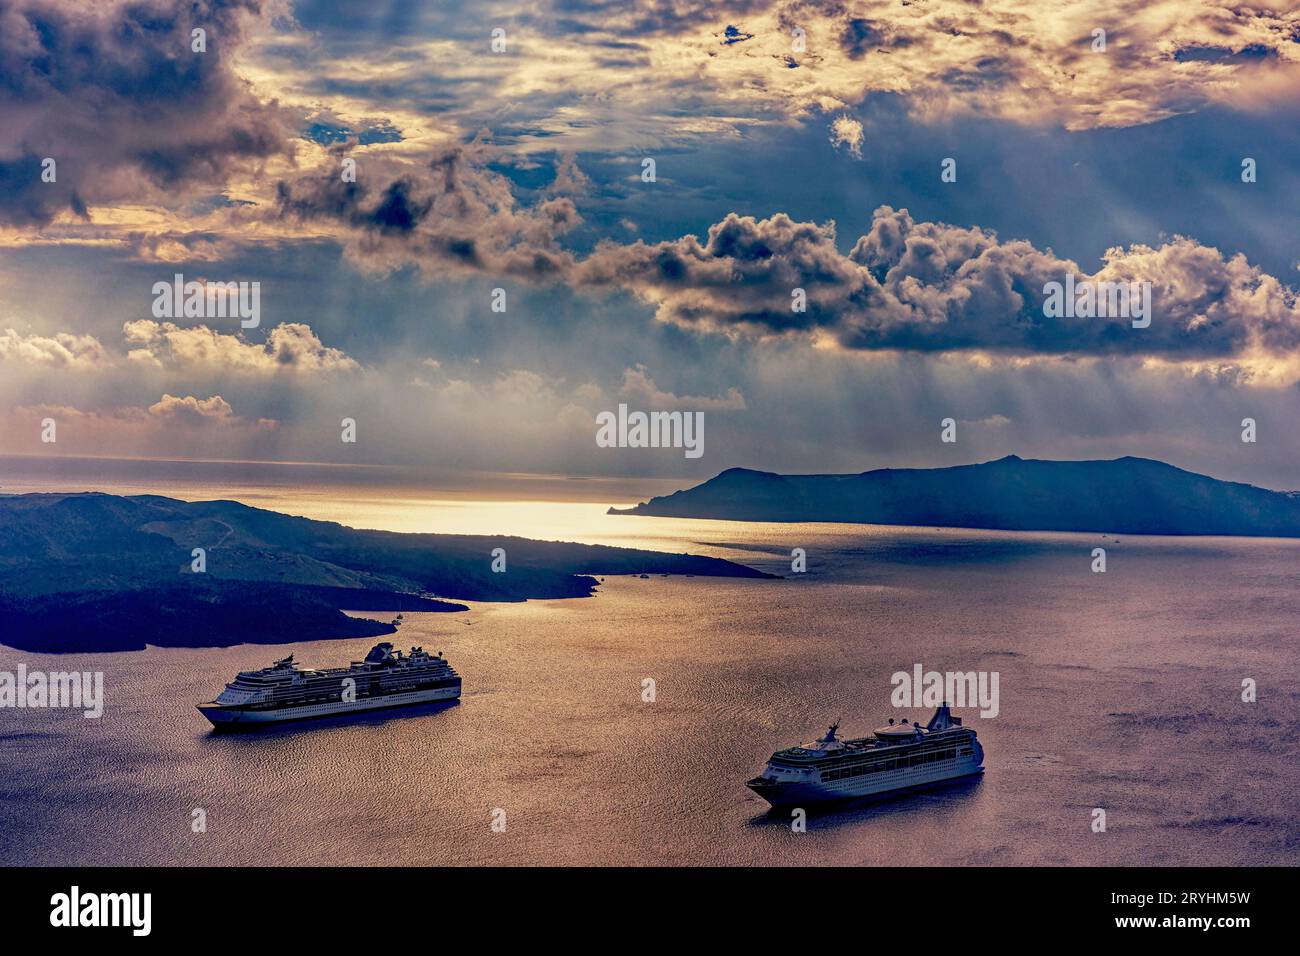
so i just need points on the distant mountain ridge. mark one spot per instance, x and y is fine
(1122, 495)
(98, 572)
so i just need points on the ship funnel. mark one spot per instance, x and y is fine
(942, 719)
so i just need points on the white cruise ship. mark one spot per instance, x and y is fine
(895, 758)
(284, 691)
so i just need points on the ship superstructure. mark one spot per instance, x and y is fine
(895, 758)
(284, 691)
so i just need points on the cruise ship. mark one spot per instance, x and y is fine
(284, 691)
(896, 758)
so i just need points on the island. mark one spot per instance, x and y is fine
(1122, 495)
(100, 572)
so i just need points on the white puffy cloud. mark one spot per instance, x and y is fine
(847, 133)
(638, 386)
(61, 350)
(192, 409)
(289, 348)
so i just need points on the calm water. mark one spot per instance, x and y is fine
(1118, 690)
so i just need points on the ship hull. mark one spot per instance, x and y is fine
(816, 793)
(226, 717)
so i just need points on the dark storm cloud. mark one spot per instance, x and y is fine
(450, 211)
(115, 95)
(394, 210)
(932, 287)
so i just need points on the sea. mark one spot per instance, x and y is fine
(1147, 714)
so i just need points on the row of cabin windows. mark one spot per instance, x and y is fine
(335, 688)
(842, 757)
(333, 696)
(916, 760)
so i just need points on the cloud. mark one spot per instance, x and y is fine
(598, 76)
(144, 130)
(191, 409)
(236, 158)
(1011, 59)
(170, 409)
(184, 426)
(62, 350)
(638, 386)
(569, 179)
(450, 213)
(290, 348)
(847, 132)
(932, 287)
(113, 93)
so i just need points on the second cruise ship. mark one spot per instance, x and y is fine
(895, 758)
(285, 691)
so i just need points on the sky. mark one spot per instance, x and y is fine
(380, 169)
